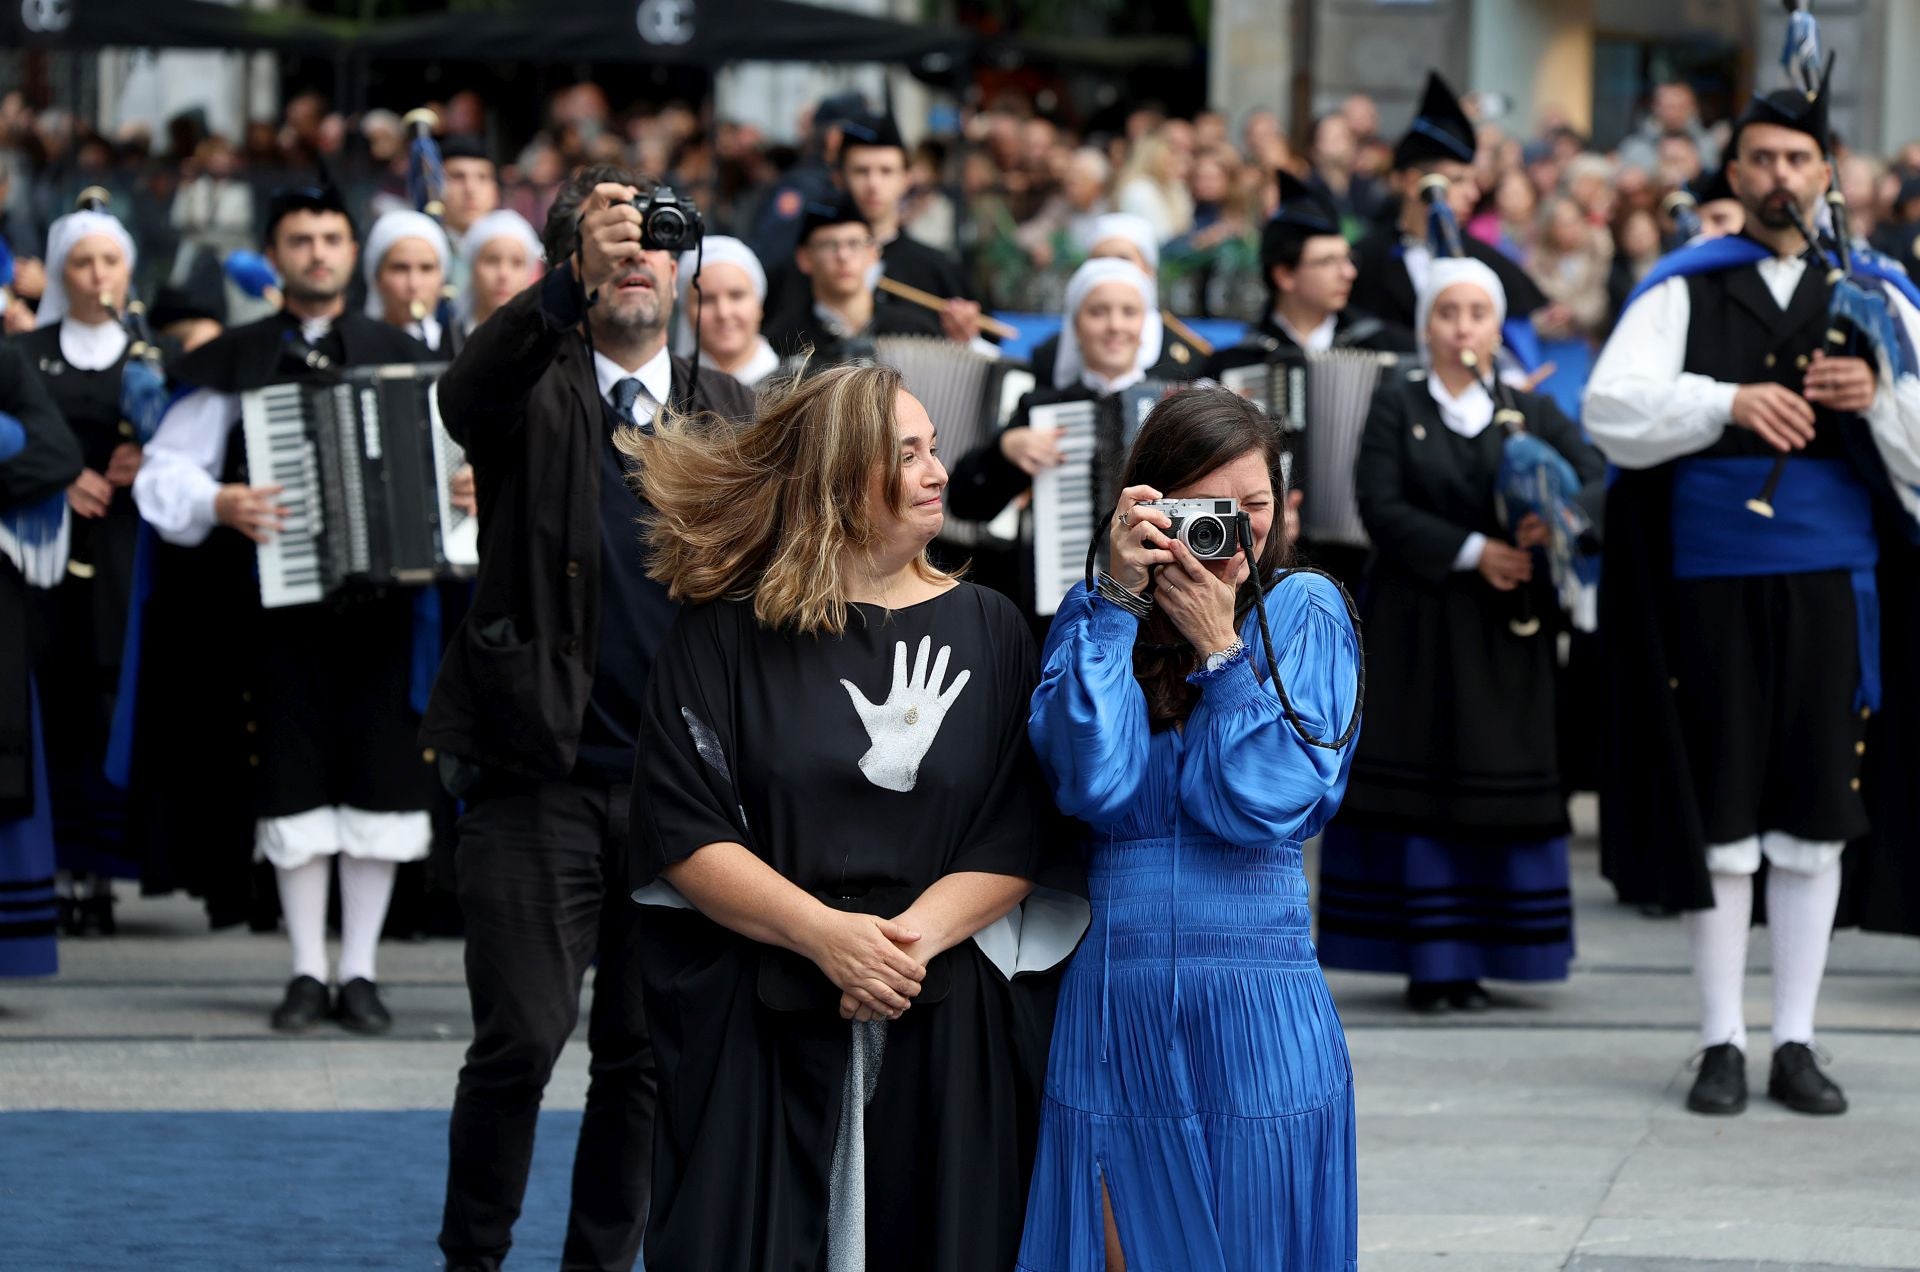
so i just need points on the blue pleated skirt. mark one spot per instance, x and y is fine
(1198, 1069)
(1435, 909)
(28, 910)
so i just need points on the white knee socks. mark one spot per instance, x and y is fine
(1719, 941)
(1800, 910)
(365, 889)
(303, 905)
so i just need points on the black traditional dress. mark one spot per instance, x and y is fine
(85, 619)
(39, 456)
(864, 768)
(1448, 861)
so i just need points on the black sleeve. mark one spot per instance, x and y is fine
(985, 480)
(1007, 836)
(483, 395)
(684, 796)
(52, 457)
(1422, 541)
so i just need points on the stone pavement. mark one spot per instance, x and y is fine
(1547, 1134)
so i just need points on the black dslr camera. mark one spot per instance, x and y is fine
(668, 223)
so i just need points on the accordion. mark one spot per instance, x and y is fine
(1070, 505)
(364, 463)
(968, 395)
(1321, 402)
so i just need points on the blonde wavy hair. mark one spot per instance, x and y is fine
(777, 511)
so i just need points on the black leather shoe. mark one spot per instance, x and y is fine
(304, 1006)
(1796, 1081)
(1429, 998)
(360, 1009)
(1469, 996)
(1721, 1088)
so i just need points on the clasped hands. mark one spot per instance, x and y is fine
(1784, 419)
(878, 964)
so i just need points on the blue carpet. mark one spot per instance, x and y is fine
(213, 1191)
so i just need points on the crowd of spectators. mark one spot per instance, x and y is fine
(1011, 196)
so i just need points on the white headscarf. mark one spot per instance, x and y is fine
(500, 223)
(1445, 272)
(1068, 364)
(1137, 230)
(716, 249)
(62, 236)
(390, 229)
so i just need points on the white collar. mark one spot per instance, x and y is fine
(427, 331)
(762, 363)
(656, 376)
(1319, 340)
(1782, 274)
(1103, 386)
(1469, 413)
(91, 346)
(314, 330)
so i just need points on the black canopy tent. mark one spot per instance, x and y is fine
(171, 24)
(702, 33)
(708, 33)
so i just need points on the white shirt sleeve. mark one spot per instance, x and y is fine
(1894, 417)
(1468, 557)
(1641, 408)
(176, 486)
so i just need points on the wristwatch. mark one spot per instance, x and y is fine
(1215, 661)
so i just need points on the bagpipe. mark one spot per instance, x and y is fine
(143, 381)
(426, 190)
(1533, 478)
(1860, 317)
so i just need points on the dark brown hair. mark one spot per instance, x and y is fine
(561, 232)
(1188, 435)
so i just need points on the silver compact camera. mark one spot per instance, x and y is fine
(1208, 527)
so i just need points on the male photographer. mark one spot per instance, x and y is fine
(532, 715)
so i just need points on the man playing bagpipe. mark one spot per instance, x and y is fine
(1394, 259)
(1761, 403)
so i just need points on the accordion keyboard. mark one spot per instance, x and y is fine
(280, 454)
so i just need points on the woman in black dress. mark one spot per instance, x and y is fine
(80, 351)
(835, 799)
(1448, 861)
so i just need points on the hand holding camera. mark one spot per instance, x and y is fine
(609, 234)
(1197, 592)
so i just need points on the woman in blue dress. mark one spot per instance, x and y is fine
(1199, 1100)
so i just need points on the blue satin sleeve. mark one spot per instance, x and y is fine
(1088, 721)
(1248, 776)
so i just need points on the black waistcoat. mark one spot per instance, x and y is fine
(1738, 334)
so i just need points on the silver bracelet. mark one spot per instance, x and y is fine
(1121, 595)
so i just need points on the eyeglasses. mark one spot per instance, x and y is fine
(839, 247)
(1327, 262)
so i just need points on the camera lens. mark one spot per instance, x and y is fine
(1206, 536)
(667, 228)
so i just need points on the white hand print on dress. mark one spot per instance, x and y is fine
(902, 728)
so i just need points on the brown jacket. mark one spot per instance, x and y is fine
(523, 399)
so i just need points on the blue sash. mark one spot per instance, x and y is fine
(1822, 520)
